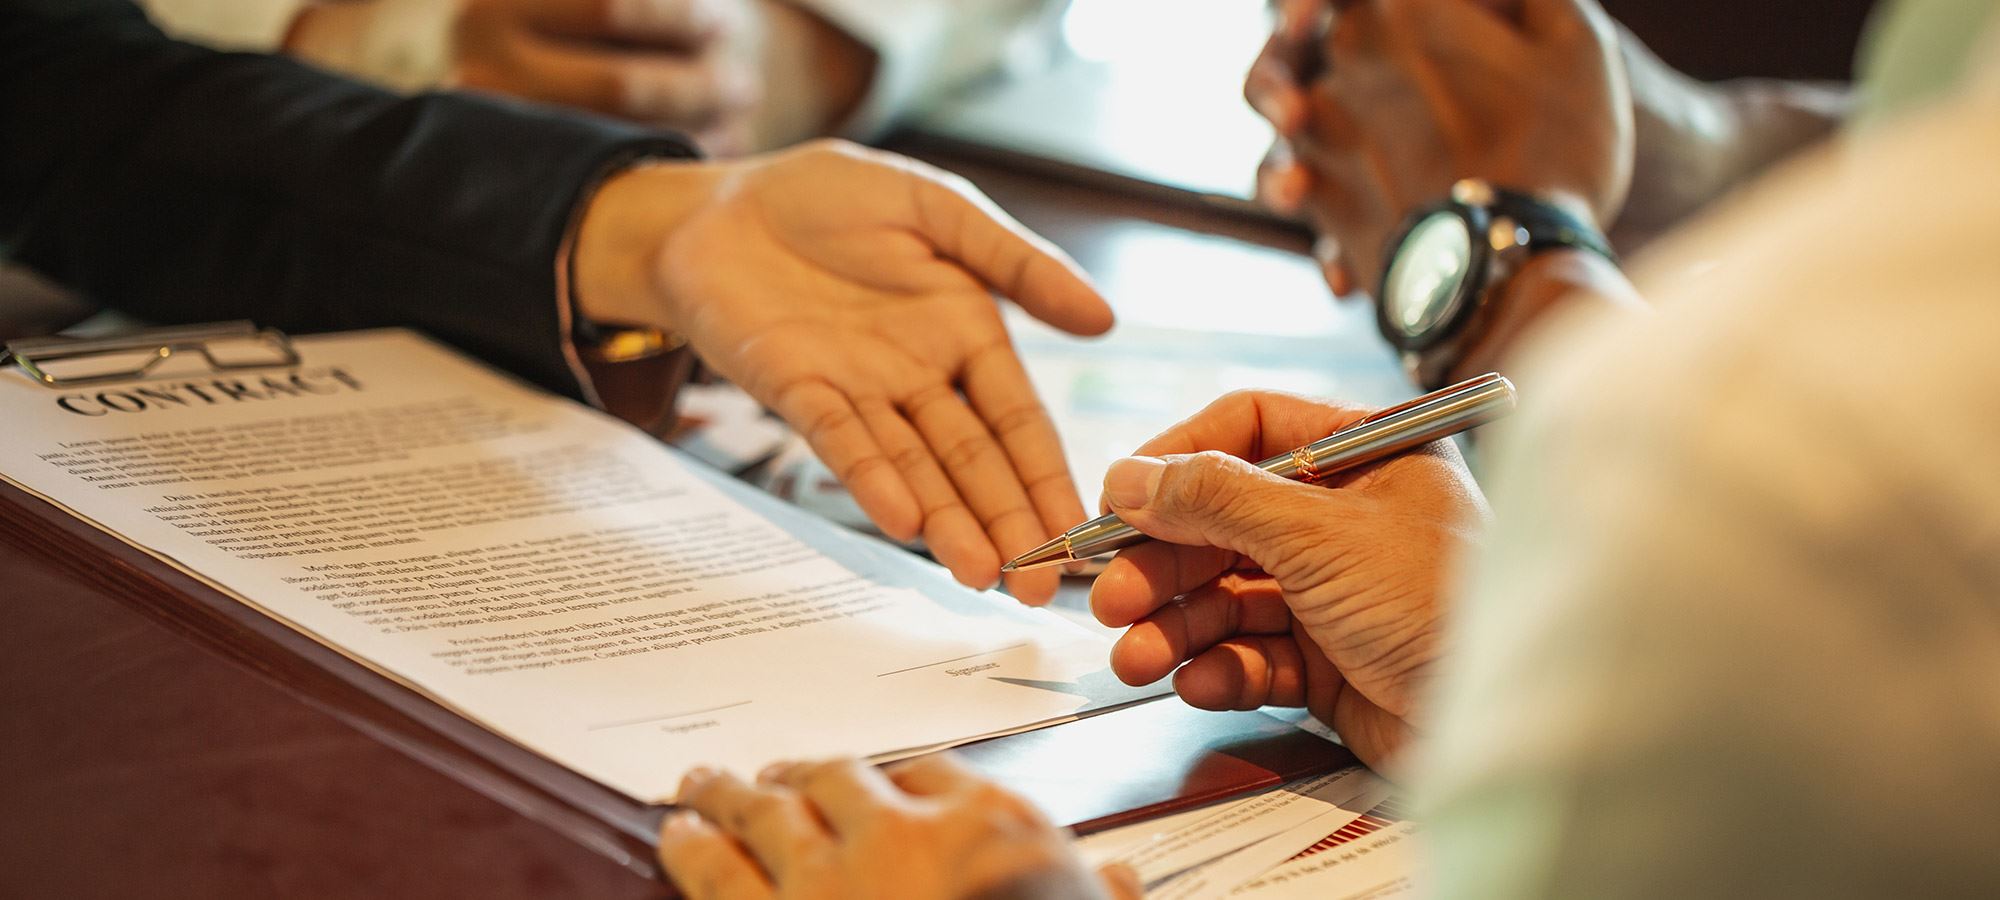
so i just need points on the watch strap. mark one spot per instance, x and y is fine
(1549, 226)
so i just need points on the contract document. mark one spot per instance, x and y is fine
(540, 568)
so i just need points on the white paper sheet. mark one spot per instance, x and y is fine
(541, 568)
(1374, 866)
(1219, 878)
(1163, 848)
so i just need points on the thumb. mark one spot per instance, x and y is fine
(1214, 499)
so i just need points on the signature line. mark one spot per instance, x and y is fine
(691, 712)
(956, 659)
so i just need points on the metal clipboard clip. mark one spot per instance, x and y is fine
(224, 346)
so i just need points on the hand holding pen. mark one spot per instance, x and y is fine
(1264, 590)
(1433, 416)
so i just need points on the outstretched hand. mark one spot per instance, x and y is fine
(852, 292)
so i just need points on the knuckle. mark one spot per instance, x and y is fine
(1007, 805)
(1237, 398)
(896, 827)
(1027, 418)
(828, 422)
(763, 810)
(965, 452)
(859, 468)
(1197, 482)
(1013, 515)
(930, 395)
(729, 881)
(910, 459)
(817, 773)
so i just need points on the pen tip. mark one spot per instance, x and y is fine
(1053, 553)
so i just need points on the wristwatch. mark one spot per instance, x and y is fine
(1448, 260)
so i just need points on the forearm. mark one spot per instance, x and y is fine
(205, 185)
(1697, 140)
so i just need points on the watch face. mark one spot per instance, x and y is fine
(1424, 286)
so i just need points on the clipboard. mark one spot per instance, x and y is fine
(1092, 774)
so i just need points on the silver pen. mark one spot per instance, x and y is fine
(1433, 416)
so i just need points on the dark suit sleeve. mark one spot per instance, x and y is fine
(181, 184)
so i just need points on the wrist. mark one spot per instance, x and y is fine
(625, 224)
(1546, 284)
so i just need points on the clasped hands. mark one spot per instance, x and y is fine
(1380, 105)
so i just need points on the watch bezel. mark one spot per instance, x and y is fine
(1465, 298)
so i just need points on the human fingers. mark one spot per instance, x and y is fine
(771, 821)
(972, 231)
(1375, 734)
(688, 91)
(951, 532)
(933, 774)
(1254, 425)
(849, 448)
(705, 864)
(1282, 183)
(1141, 579)
(1333, 266)
(695, 92)
(985, 478)
(1121, 881)
(1232, 605)
(1004, 397)
(674, 24)
(1273, 88)
(847, 793)
(1245, 672)
(1223, 501)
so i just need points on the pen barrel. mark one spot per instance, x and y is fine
(1431, 417)
(1428, 418)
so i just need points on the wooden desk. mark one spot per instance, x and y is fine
(143, 758)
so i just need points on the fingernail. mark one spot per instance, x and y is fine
(772, 772)
(1130, 482)
(678, 822)
(694, 778)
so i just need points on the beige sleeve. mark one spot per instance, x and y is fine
(1737, 632)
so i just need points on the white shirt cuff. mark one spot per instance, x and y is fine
(925, 48)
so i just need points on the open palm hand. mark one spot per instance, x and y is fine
(852, 292)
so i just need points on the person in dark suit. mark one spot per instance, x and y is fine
(849, 290)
